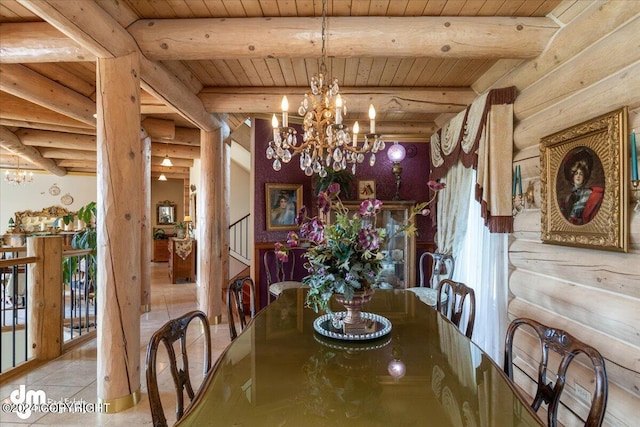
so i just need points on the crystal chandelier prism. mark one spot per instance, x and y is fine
(326, 141)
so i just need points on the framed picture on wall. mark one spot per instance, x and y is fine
(584, 184)
(283, 201)
(366, 189)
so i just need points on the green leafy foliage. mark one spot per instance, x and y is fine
(84, 239)
(343, 178)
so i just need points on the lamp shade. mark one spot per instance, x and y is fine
(187, 218)
(166, 162)
(396, 153)
(162, 177)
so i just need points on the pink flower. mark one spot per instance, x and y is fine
(313, 231)
(293, 240)
(281, 252)
(436, 186)
(324, 202)
(369, 239)
(333, 189)
(369, 208)
(302, 214)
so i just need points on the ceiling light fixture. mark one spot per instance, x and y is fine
(162, 177)
(166, 161)
(327, 142)
(18, 176)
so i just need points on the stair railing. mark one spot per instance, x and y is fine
(239, 237)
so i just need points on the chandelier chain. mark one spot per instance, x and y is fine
(323, 65)
(327, 142)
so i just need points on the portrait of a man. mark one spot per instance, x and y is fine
(580, 186)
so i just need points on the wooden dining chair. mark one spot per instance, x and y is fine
(235, 304)
(451, 300)
(169, 333)
(442, 266)
(568, 347)
(280, 274)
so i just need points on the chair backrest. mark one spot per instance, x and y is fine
(567, 347)
(169, 333)
(235, 304)
(442, 268)
(453, 304)
(276, 270)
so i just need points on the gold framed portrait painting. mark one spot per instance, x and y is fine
(283, 201)
(584, 185)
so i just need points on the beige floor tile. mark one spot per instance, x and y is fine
(73, 375)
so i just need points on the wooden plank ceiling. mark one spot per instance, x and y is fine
(415, 60)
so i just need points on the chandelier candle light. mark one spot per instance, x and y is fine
(18, 176)
(326, 141)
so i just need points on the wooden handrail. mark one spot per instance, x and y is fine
(17, 261)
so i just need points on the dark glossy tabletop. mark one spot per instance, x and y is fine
(280, 372)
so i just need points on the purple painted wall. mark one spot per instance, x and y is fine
(415, 175)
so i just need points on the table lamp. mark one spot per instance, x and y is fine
(187, 220)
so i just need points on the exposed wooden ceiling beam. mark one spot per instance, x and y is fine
(275, 37)
(94, 29)
(405, 99)
(178, 164)
(175, 150)
(20, 81)
(31, 42)
(61, 145)
(66, 141)
(9, 141)
(180, 176)
(44, 126)
(16, 108)
(201, 39)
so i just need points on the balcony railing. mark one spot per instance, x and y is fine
(48, 301)
(79, 302)
(13, 306)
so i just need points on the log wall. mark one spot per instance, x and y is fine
(591, 67)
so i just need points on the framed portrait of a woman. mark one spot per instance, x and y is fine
(583, 184)
(283, 201)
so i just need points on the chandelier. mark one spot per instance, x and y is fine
(326, 141)
(18, 176)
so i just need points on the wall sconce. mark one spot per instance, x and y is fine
(520, 200)
(396, 153)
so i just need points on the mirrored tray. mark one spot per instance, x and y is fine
(324, 325)
(353, 346)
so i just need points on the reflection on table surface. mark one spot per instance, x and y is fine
(280, 372)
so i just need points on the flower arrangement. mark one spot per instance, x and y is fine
(344, 257)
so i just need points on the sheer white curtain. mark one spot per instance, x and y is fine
(453, 208)
(482, 263)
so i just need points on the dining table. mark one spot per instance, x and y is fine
(283, 370)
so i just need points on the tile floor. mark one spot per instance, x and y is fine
(73, 375)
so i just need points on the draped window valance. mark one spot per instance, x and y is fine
(481, 137)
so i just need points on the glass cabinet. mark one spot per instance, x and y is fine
(398, 266)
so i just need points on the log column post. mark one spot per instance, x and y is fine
(119, 217)
(44, 293)
(145, 229)
(211, 217)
